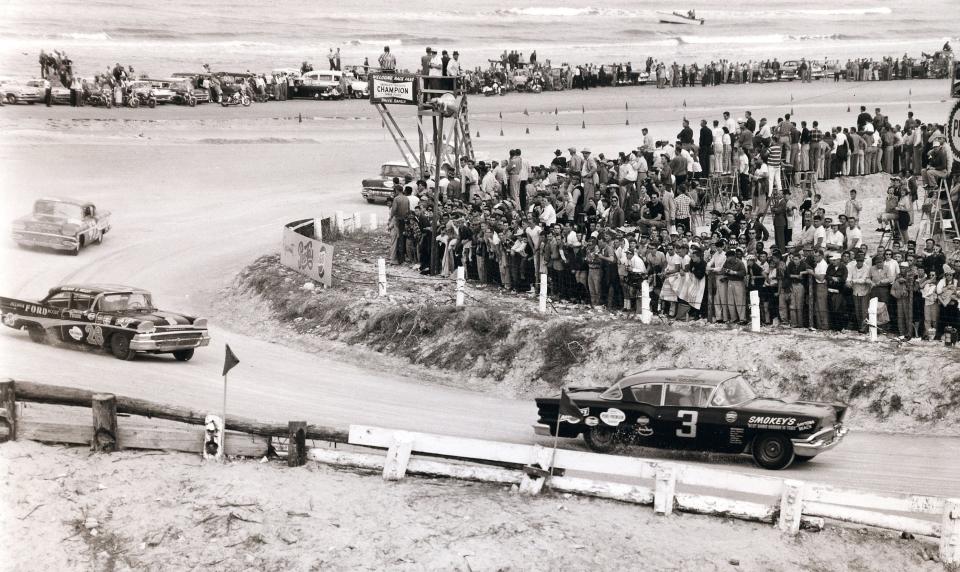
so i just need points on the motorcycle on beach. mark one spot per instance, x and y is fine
(236, 98)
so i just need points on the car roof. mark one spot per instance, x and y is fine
(68, 201)
(691, 376)
(99, 288)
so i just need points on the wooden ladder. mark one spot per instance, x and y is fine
(943, 216)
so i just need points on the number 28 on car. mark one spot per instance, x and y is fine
(696, 409)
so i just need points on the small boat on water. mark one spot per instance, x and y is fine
(690, 18)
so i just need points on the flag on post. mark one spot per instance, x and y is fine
(569, 410)
(229, 360)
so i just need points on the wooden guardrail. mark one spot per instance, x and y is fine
(795, 502)
(242, 436)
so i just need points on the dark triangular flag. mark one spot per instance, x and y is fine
(525, 111)
(626, 105)
(556, 111)
(569, 410)
(229, 360)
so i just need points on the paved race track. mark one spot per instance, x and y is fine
(188, 215)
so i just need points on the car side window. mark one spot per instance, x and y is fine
(679, 395)
(81, 301)
(649, 393)
(59, 300)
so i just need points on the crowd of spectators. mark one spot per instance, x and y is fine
(599, 226)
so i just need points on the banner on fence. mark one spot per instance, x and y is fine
(305, 254)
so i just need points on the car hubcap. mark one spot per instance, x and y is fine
(772, 450)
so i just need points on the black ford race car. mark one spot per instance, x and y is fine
(119, 318)
(696, 409)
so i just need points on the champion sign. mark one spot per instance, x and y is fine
(393, 88)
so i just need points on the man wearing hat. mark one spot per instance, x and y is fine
(937, 164)
(559, 161)
(836, 279)
(588, 175)
(733, 273)
(834, 238)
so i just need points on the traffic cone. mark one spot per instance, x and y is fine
(300, 117)
(791, 111)
(684, 103)
(528, 131)
(501, 115)
(525, 112)
(583, 109)
(558, 127)
(556, 111)
(478, 133)
(848, 108)
(626, 105)
(501, 132)
(583, 125)
(628, 122)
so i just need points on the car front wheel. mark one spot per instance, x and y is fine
(120, 347)
(601, 439)
(773, 451)
(183, 355)
(38, 335)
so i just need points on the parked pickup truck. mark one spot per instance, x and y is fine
(61, 224)
(121, 319)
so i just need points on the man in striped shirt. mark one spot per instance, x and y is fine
(774, 155)
(815, 137)
(682, 204)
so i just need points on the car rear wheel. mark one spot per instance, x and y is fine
(183, 355)
(601, 439)
(38, 335)
(120, 347)
(773, 451)
(12, 98)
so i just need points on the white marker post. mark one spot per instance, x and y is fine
(338, 221)
(543, 293)
(645, 314)
(872, 319)
(461, 279)
(318, 228)
(373, 221)
(754, 311)
(381, 277)
(356, 222)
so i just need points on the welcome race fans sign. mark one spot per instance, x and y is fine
(392, 87)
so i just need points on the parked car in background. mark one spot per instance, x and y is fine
(696, 409)
(30, 91)
(789, 70)
(61, 224)
(163, 90)
(816, 71)
(121, 319)
(319, 84)
(380, 188)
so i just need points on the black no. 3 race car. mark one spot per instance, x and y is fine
(695, 409)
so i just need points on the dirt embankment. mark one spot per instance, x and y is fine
(499, 343)
(66, 509)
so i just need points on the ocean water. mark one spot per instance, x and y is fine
(163, 36)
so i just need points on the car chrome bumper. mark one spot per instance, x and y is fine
(166, 343)
(44, 239)
(541, 430)
(821, 441)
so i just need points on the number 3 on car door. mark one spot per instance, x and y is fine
(688, 425)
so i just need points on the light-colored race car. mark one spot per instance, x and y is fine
(30, 91)
(61, 224)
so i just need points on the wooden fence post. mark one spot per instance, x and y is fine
(872, 319)
(666, 486)
(104, 423)
(398, 455)
(339, 222)
(356, 222)
(296, 443)
(646, 316)
(381, 277)
(213, 438)
(542, 306)
(535, 475)
(461, 279)
(950, 533)
(754, 311)
(791, 506)
(8, 411)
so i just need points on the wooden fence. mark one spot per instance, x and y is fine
(791, 503)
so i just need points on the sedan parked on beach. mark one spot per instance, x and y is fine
(30, 91)
(380, 188)
(696, 409)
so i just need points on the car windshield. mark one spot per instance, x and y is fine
(734, 391)
(126, 302)
(56, 208)
(395, 171)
